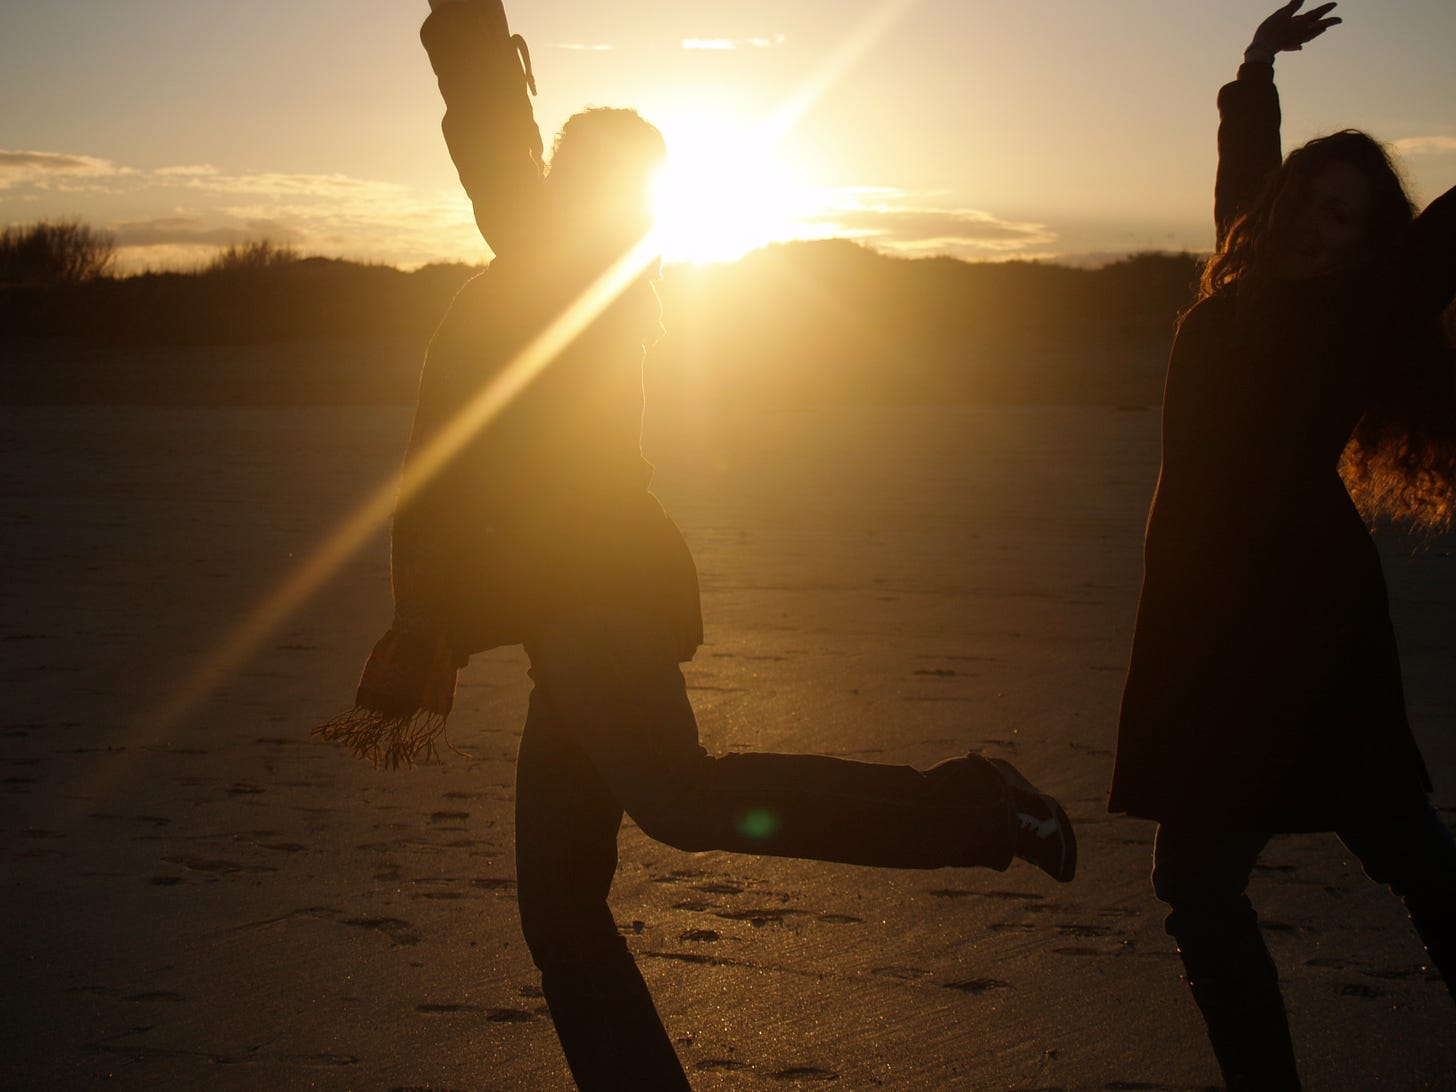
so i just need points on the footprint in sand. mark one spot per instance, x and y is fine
(758, 917)
(978, 986)
(1009, 896)
(144, 820)
(678, 875)
(1358, 989)
(1086, 931)
(509, 1016)
(228, 868)
(319, 1061)
(686, 957)
(399, 932)
(693, 906)
(904, 974)
(720, 887)
(804, 1073)
(719, 1065)
(1396, 973)
(1286, 927)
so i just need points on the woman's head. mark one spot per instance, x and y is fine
(1336, 201)
(602, 170)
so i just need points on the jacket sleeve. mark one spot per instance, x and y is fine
(1248, 143)
(488, 124)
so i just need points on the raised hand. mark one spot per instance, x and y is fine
(1288, 29)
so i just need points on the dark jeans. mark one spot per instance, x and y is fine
(610, 730)
(1201, 873)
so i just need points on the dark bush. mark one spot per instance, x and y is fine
(55, 252)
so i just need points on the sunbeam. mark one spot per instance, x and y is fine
(250, 633)
(253, 630)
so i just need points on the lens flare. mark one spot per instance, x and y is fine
(253, 630)
(244, 640)
(759, 823)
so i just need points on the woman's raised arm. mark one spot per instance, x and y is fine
(485, 80)
(1248, 111)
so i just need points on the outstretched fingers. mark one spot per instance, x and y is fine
(1313, 23)
(1288, 29)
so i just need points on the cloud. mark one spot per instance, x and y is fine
(199, 231)
(200, 170)
(330, 187)
(1425, 145)
(181, 213)
(721, 44)
(47, 169)
(893, 220)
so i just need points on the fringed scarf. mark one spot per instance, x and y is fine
(407, 687)
(405, 694)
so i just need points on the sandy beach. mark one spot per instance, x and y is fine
(213, 899)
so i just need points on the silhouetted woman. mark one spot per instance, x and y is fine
(538, 528)
(1264, 691)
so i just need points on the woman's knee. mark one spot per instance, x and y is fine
(672, 802)
(563, 932)
(675, 819)
(1202, 878)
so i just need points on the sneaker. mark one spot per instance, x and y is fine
(1044, 835)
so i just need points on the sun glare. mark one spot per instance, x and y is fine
(722, 194)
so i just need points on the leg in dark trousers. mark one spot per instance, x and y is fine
(566, 854)
(613, 685)
(611, 729)
(1202, 875)
(1413, 852)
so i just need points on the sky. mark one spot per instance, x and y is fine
(977, 128)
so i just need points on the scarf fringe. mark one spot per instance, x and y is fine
(389, 741)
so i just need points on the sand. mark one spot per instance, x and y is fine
(223, 902)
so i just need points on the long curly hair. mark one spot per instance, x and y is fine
(1400, 462)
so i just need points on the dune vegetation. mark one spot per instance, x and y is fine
(796, 323)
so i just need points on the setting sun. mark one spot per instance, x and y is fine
(723, 193)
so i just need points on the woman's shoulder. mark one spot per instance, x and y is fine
(1210, 313)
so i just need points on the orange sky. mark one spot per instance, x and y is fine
(980, 128)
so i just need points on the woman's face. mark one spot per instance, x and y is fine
(1329, 226)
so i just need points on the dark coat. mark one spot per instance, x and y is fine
(1264, 687)
(545, 508)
